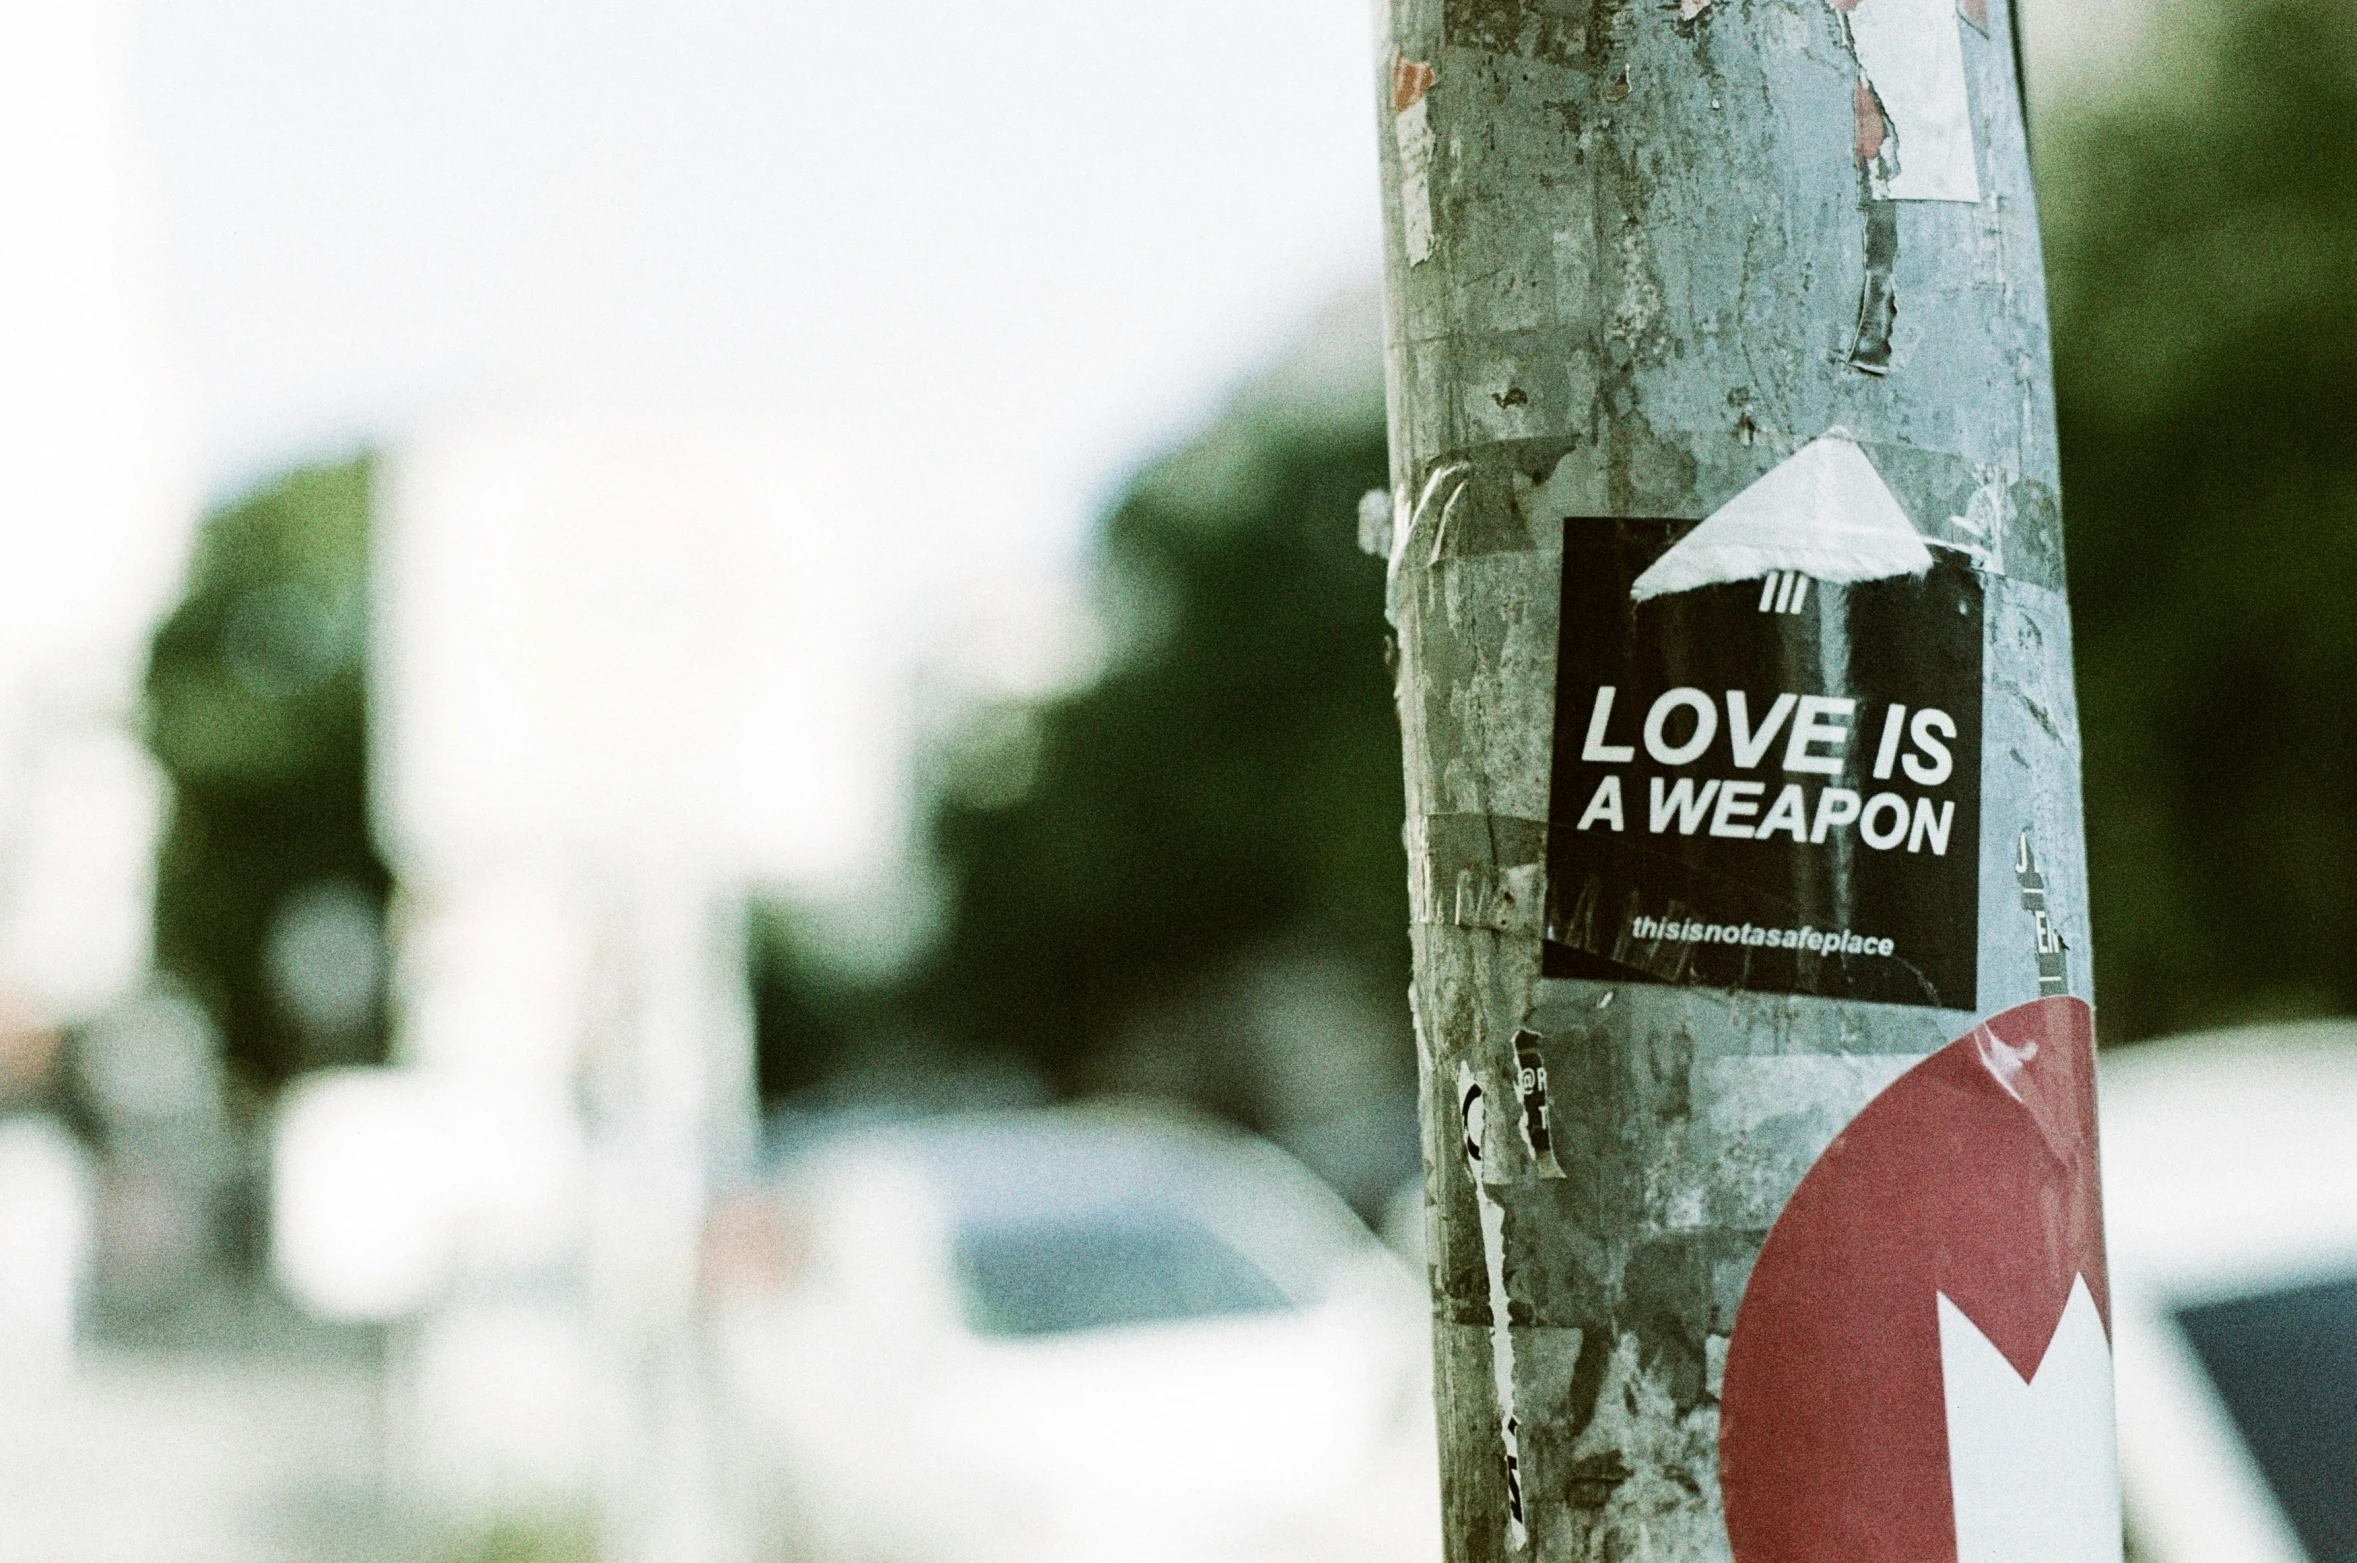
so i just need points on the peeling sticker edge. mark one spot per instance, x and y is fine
(1407, 518)
(1985, 520)
(1410, 80)
(1823, 512)
(1910, 59)
(1376, 511)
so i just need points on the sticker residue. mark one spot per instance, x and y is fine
(2054, 962)
(1984, 521)
(1911, 60)
(1376, 510)
(1443, 489)
(1538, 1130)
(1411, 126)
(1823, 512)
(1878, 298)
(1473, 1111)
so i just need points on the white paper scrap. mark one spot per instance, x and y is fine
(1823, 511)
(1472, 1104)
(1912, 54)
(1413, 126)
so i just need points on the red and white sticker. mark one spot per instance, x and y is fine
(1920, 1370)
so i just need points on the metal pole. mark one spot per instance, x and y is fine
(1743, 786)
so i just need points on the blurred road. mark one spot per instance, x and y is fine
(155, 1458)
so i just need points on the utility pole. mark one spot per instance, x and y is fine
(1746, 863)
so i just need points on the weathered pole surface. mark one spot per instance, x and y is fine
(1743, 786)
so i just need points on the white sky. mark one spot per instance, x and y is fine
(982, 255)
(987, 252)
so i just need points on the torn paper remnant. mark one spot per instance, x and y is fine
(1472, 1107)
(1538, 1130)
(1911, 58)
(1411, 125)
(1878, 298)
(1410, 80)
(1822, 512)
(1376, 508)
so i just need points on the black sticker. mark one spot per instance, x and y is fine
(1770, 784)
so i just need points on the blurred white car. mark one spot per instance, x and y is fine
(45, 1220)
(1072, 1336)
(2230, 1185)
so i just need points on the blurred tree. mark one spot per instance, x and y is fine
(1187, 876)
(809, 1021)
(2202, 234)
(1228, 784)
(270, 892)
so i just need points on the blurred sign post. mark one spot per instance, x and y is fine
(96, 510)
(1743, 786)
(613, 696)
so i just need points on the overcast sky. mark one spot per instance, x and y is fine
(982, 255)
(1003, 244)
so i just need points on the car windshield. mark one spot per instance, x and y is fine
(2285, 1364)
(1100, 1269)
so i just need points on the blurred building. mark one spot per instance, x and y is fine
(95, 510)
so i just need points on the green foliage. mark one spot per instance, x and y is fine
(810, 1023)
(2202, 234)
(537, 1539)
(256, 707)
(1229, 786)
